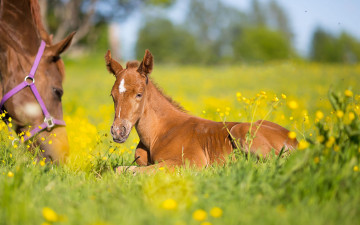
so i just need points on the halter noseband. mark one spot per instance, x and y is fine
(49, 121)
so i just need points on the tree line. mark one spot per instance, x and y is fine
(212, 32)
(216, 33)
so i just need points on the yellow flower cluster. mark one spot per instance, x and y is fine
(201, 215)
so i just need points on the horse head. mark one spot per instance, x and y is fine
(20, 38)
(128, 93)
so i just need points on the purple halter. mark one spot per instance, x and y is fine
(49, 121)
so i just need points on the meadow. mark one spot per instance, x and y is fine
(317, 184)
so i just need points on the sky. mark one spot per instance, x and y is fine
(304, 16)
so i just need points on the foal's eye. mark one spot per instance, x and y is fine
(139, 95)
(58, 93)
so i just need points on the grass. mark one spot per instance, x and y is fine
(317, 184)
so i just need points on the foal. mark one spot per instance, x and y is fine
(168, 135)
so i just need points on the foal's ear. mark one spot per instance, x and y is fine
(60, 47)
(146, 65)
(112, 66)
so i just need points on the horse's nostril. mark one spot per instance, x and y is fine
(122, 131)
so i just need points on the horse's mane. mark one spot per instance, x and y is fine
(36, 15)
(169, 99)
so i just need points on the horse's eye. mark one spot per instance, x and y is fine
(58, 93)
(139, 95)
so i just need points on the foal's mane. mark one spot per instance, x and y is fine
(135, 64)
(169, 99)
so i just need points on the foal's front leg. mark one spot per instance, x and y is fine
(142, 155)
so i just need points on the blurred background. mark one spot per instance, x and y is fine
(210, 32)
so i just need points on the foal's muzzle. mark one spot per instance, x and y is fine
(120, 132)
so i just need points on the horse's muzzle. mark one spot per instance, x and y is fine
(120, 133)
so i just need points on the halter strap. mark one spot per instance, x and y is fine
(49, 121)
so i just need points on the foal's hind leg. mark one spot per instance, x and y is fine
(265, 137)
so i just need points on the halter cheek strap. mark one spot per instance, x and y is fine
(49, 121)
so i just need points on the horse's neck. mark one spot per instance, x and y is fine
(158, 117)
(18, 28)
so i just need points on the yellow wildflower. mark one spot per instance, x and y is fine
(356, 169)
(50, 142)
(330, 142)
(111, 150)
(339, 113)
(50, 215)
(42, 163)
(348, 93)
(238, 94)
(320, 138)
(275, 99)
(10, 174)
(316, 160)
(169, 204)
(10, 119)
(303, 144)
(10, 125)
(161, 168)
(216, 212)
(293, 104)
(283, 96)
(319, 115)
(351, 116)
(292, 135)
(199, 215)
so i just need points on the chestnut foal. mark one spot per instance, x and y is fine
(168, 135)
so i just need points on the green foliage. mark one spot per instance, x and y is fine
(262, 44)
(225, 35)
(326, 47)
(168, 43)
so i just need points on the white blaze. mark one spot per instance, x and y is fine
(122, 88)
(32, 109)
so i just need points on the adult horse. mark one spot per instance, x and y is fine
(31, 75)
(168, 135)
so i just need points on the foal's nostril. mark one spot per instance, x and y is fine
(122, 131)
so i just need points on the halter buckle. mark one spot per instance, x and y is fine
(49, 122)
(31, 78)
(13, 141)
